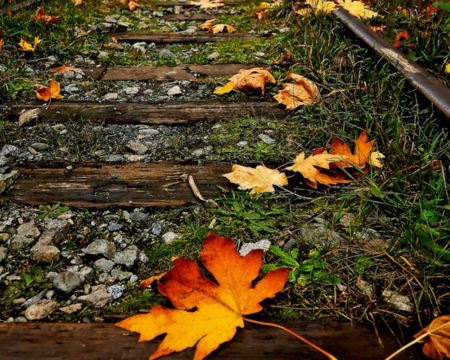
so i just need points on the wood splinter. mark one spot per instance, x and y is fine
(195, 189)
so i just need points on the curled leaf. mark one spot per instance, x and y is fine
(403, 35)
(437, 341)
(45, 93)
(302, 92)
(207, 25)
(43, 18)
(63, 69)
(363, 151)
(27, 46)
(259, 180)
(222, 28)
(247, 81)
(1, 44)
(133, 5)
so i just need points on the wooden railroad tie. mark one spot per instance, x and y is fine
(171, 38)
(42, 341)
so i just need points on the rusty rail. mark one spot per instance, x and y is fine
(433, 89)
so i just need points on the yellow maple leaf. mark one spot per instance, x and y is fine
(46, 93)
(27, 46)
(317, 7)
(207, 25)
(308, 167)
(247, 81)
(207, 313)
(357, 9)
(302, 92)
(259, 180)
(447, 68)
(222, 28)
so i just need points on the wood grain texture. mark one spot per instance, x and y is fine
(165, 73)
(168, 38)
(189, 17)
(51, 341)
(186, 4)
(156, 113)
(99, 185)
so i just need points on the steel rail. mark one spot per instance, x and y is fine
(12, 8)
(433, 89)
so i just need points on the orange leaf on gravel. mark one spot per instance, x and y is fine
(46, 93)
(260, 179)
(45, 19)
(207, 313)
(437, 343)
(302, 92)
(247, 81)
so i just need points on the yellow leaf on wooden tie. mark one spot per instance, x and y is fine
(357, 9)
(247, 81)
(259, 180)
(308, 168)
(207, 4)
(222, 28)
(316, 7)
(46, 93)
(27, 46)
(207, 25)
(302, 92)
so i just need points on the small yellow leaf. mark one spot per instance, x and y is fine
(259, 180)
(447, 68)
(225, 89)
(27, 46)
(358, 9)
(374, 159)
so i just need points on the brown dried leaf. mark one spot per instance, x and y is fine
(43, 18)
(437, 341)
(222, 28)
(207, 25)
(302, 92)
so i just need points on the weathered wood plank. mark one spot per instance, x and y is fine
(100, 186)
(187, 4)
(156, 113)
(189, 17)
(171, 38)
(46, 341)
(164, 73)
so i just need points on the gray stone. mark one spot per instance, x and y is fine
(116, 290)
(104, 265)
(18, 301)
(110, 96)
(260, 245)
(4, 169)
(45, 254)
(55, 233)
(213, 56)
(113, 226)
(260, 54)
(9, 150)
(3, 160)
(110, 19)
(3, 252)
(101, 247)
(401, 302)
(20, 319)
(123, 275)
(115, 158)
(148, 132)
(127, 257)
(170, 237)
(133, 279)
(132, 90)
(71, 308)
(19, 242)
(97, 299)
(6, 180)
(318, 234)
(138, 148)
(71, 88)
(49, 294)
(67, 281)
(31, 301)
(40, 146)
(241, 144)
(266, 139)
(156, 228)
(41, 309)
(198, 152)
(4, 237)
(174, 91)
(104, 27)
(122, 26)
(139, 216)
(85, 271)
(29, 230)
(143, 258)
(366, 288)
(283, 30)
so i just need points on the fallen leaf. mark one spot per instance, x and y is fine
(316, 7)
(28, 116)
(260, 13)
(207, 25)
(43, 18)
(437, 341)
(247, 81)
(207, 313)
(286, 59)
(403, 35)
(1, 44)
(264, 6)
(431, 10)
(363, 151)
(222, 28)
(447, 68)
(63, 69)
(133, 5)
(379, 29)
(259, 180)
(375, 158)
(358, 9)
(46, 93)
(207, 4)
(302, 92)
(309, 168)
(27, 46)
(77, 2)
(147, 282)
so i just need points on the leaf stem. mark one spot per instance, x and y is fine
(329, 356)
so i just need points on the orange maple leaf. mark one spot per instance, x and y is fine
(248, 81)
(219, 307)
(46, 93)
(260, 180)
(207, 25)
(63, 69)
(133, 5)
(363, 151)
(436, 337)
(45, 19)
(403, 35)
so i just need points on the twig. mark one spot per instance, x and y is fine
(329, 356)
(195, 189)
